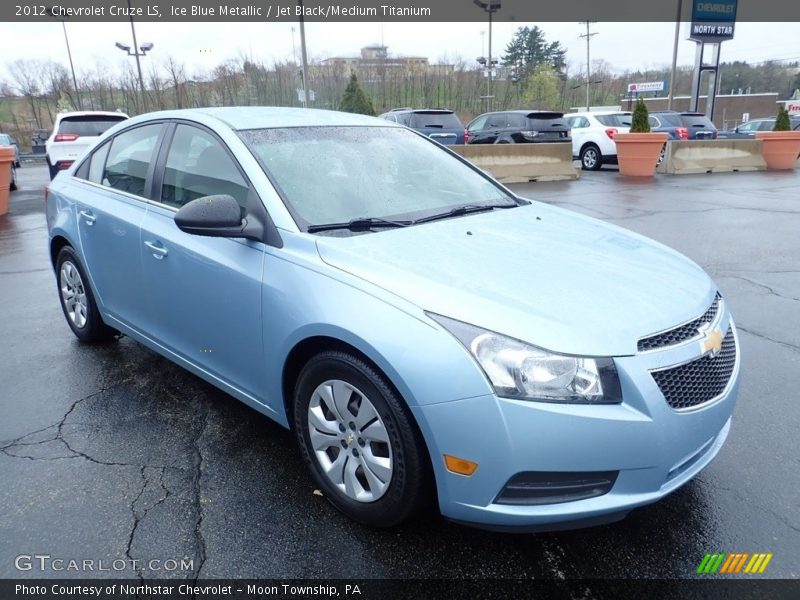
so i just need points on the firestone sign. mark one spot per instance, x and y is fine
(712, 20)
(648, 86)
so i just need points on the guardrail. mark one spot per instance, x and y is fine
(712, 156)
(521, 163)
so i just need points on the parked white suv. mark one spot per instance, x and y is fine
(593, 136)
(73, 133)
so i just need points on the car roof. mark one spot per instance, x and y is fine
(597, 113)
(269, 117)
(422, 110)
(90, 113)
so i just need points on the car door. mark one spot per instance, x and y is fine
(204, 292)
(477, 129)
(579, 129)
(110, 209)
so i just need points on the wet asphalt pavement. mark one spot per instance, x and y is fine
(112, 452)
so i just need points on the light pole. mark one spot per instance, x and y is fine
(54, 14)
(588, 35)
(490, 6)
(137, 52)
(303, 54)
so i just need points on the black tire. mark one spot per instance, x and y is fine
(93, 330)
(662, 155)
(409, 486)
(591, 158)
(12, 186)
(504, 142)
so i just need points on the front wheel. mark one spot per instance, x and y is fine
(77, 300)
(359, 440)
(591, 158)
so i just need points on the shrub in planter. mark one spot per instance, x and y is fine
(638, 151)
(781, 145)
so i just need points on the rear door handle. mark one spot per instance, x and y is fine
(88, 217)
(157, 249)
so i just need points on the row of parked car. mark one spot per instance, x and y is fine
(591, 133)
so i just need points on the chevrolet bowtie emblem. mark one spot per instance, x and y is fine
(712, 342)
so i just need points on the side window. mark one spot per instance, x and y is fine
(128, 159)
(496, 121)
(766, 125)
(97, 163)
(517, 121)
(198, 165)
(478, 123)
(654, 122)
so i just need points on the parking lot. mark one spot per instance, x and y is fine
(113, 452)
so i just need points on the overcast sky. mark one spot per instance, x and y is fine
(203, 45)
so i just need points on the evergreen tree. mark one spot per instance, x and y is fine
(355, 100)
(782, 123)
(640, 123)
(529, 48)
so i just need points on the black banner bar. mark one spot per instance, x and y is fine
(708, 588)
(523, 11)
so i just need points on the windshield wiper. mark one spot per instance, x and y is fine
(462, 210)
(360, 224)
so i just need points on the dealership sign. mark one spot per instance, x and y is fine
(793, 107)
(712, 20)
(649, 86)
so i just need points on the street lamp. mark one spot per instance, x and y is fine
(137, 52)
(490, 6)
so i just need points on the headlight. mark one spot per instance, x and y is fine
(519, 370)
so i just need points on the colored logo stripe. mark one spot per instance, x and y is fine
(721, 562)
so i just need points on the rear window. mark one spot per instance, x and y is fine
(547, 122)
(88, 125)
(439, 120)
(618, 120)
(698, 121)
(668, 120)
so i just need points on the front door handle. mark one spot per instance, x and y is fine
(157, 249)
(88, 217)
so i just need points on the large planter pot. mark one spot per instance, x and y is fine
(781, 149)
(637, 153)
(7, 155)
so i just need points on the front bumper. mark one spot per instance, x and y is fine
(654, 448)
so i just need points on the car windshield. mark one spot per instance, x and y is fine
(443, 120)
(88, 125)
(618, 120)
(338, 174)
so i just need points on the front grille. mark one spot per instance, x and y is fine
(682, 333)
(698, 381)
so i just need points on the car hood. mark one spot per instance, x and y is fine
(538, 273)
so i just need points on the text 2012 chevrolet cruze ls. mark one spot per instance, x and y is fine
(422, 329)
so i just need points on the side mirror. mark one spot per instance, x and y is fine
(214, 216)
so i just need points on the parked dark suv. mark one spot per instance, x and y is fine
(683, 125)
(439, 124)
(518, 127)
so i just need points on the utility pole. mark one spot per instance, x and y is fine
(674, 56)
(588, 35)
(303, 54)
(72, 68)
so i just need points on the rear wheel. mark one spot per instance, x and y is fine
(77, 300)
(591, 158)
(359, 440)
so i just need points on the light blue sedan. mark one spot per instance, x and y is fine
(427, 334)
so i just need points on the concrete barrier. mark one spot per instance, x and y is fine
(712, 156)
(521, 163)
